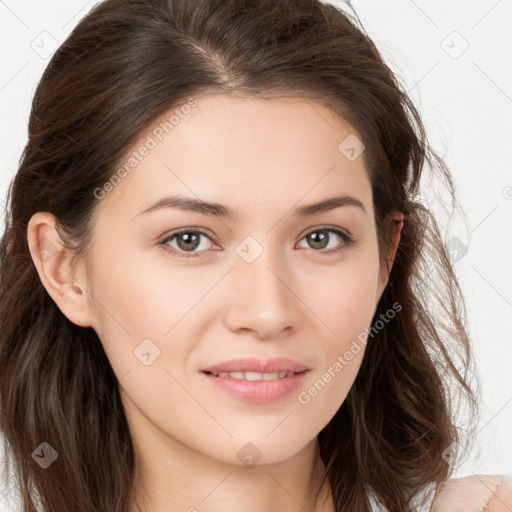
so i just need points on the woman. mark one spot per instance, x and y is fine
(217, 277)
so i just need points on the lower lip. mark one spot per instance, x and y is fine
(258, 391)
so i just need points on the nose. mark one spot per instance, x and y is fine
(262, 300)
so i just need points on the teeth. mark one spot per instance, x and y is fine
(254, 375)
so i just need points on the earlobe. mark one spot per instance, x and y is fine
(53, 264)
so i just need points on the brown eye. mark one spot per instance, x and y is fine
(187, 241)
(319, 239)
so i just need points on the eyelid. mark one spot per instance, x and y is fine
(327, 227)
(190, 229)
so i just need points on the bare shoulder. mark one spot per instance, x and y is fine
(475, 493)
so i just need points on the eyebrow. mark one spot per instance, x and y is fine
(218, 210)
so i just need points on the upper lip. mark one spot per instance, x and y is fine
(251, 364)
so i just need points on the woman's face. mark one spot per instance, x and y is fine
(264, 282)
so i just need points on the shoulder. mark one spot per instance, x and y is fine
(475, 493)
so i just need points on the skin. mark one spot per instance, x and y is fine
(263, 158)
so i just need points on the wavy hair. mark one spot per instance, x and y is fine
(126, 63)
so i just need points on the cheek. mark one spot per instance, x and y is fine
(346, 307)
(138, 308)
(343, 298)
(141, 298)
(128, 299)
(139, 291)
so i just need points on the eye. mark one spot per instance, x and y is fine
(320, 238)
(189, 239)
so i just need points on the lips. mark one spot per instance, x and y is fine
(251, 364)
(257, 381)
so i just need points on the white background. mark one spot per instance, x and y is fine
(465, 98)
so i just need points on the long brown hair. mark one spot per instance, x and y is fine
(126, 63)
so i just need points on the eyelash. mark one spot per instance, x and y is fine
(346, 238)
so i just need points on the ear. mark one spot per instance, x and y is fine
(53, 263)
(395, 223)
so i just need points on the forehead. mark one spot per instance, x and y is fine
(245, 152)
